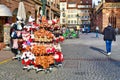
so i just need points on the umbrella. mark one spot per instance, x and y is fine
(21, 11)
(4, 11)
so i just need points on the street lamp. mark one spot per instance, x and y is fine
(50, 9)
(44, 6)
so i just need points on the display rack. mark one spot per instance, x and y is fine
(41, 48)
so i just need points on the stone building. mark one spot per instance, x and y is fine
(75, 12)
(49, 8)
(108, 11)
(53, 9)
(30, 6)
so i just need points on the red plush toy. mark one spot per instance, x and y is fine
(61, 38)
(58, 56)
(27, 59)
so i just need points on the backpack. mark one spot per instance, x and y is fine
(13, 35)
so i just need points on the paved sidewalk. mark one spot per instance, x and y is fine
(83, 60)
(90, 39)
(5, 55)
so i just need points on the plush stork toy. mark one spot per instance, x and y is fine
(19, 24)
(27, 59)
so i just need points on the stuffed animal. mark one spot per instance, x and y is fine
(58, 56)
(19, 24)
(27, 59)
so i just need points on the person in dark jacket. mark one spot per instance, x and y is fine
(109, 36)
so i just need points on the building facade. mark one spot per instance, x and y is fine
(30, 6)
(108, 11)
(49, 8)
(75, 12)
(63, 13)
(52, 9)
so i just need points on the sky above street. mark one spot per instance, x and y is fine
(96, 1)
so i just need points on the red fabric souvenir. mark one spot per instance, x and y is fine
(58, 56)
(61, 38)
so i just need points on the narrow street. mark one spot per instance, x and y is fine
(84, 59)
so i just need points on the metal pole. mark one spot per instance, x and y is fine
(43, 6)
(50, 10)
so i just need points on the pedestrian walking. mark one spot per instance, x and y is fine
(97, 31)
(109, 36)
(86, 30)
(117, 30)
(77, 30)
(83, 30)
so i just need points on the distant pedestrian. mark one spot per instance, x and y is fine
(86, 30)
(77, 30)
(97, 31)
(109, 36)
(117, 30)
(83, 30)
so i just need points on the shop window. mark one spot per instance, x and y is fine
(63, 14)
(68, 16)
(71, 21)
(68, 21)
(75, 21)
(71, 16)
(63, 20)
(63, 9)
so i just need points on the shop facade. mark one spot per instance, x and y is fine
(30, 6)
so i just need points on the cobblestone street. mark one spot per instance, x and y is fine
(84, 59)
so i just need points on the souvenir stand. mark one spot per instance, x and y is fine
(41, 48)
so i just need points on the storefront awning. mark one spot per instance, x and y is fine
(4, 10)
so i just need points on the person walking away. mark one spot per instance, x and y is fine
(83, 30)
(78, 30)
(109, 36)
(117, 30)
(86, 30)
(97, 30)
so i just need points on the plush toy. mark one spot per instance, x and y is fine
(57, 47)
(61, 38)
(50, 22)
(16, 29)
(27, 27)
(31, 19)
(27, 59)
(26, 36)
(58, 56)
(50, 50)
(19, 24)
